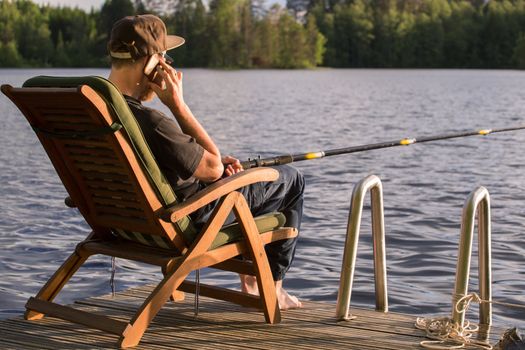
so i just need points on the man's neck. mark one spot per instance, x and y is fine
(127, 81)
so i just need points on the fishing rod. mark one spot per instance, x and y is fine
(289, 158)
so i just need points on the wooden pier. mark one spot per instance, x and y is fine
(220, 325)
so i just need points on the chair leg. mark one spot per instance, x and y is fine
(152, 306)
(261, 266)
(177, 274)
(55, 284)
(176, 295)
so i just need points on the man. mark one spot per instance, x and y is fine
(186, 154)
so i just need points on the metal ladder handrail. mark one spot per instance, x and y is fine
(372, 183)
(478, 201)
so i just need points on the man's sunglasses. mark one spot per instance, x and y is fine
(167, 58)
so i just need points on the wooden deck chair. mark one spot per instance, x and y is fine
(111, 176)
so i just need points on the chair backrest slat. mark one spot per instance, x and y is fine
(101, 172)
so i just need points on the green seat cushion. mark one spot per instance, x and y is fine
(233, 233)
(228, 234)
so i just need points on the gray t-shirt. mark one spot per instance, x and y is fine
(176, 153)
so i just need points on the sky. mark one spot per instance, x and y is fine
(83, 4)
(88, 4)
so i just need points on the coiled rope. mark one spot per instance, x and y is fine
(447, 334)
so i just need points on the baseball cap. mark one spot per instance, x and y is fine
(139, 36)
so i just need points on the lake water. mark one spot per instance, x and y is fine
(270, 112)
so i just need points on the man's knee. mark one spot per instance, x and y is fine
(293, 177)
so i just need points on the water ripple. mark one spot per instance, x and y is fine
(273, 112)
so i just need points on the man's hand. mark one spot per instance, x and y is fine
(170, 90)
(231, 165)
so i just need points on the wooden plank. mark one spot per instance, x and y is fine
(291, 335)
(133, 251)
(365, 317)
(220, 325)
(222, 294)
(14, 340)
(52, 330)
(65, 118)
(67, 313)
(94, 151)
(199, 329)
(98, 176)
(34, 335)
(54, 110)
(139, 224)
(85, 143)
(71, 126)
(236, 265)
(312, 328)
(368, 319)
(116, 195)
(118, 203)
(102, 168)
(382, 323)
(94, 158)
(110, 185)
(123, 213)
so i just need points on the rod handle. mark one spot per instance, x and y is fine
(258, 162)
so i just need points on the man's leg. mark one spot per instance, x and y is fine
(284, 195)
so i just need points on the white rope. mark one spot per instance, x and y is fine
(447, 334)
(467, 299)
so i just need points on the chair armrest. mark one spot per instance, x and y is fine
(216, 191)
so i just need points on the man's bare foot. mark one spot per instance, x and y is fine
(285, 300)
(249, 284)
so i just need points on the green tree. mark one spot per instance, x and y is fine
(112, 11)
(189, 21)
(10, 56)
(32, 34)
(74, 34)
(266, 46)
(519, 51)
(291, 43)
(460, 45)
(9, 16)
(315, 43)
(385, 45)
(353, 31)
(325, 24)
(225, 24)
(500, 32)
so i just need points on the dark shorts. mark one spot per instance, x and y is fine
(284, 195)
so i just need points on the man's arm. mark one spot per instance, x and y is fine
(210, 167)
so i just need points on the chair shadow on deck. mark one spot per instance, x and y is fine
(111, 177)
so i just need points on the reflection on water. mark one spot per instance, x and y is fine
(272, 112)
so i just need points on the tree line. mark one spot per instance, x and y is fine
(304, 33)
(219, 33)
(420, 33)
